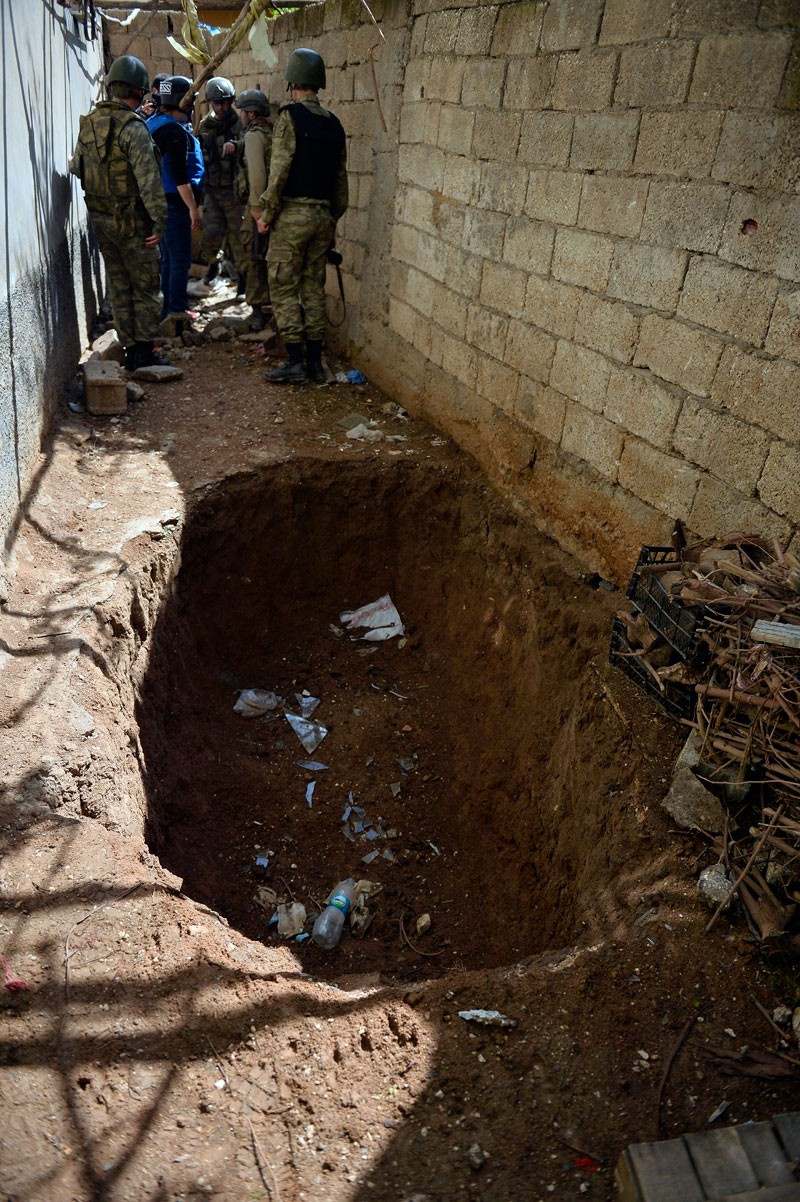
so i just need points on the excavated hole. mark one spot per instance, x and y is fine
(505, 831)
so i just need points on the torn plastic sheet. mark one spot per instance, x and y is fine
(487, 1018)
(307, 703)
(312, 765)
(380, 619)
(370, 856)
(291, 918)
(251, 703)
(310, 792)
(309, 733)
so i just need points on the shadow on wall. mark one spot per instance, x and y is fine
(52, 272)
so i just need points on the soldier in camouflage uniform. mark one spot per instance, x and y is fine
(254, 153)
(219, 134)
(305, 197)
(115, 161)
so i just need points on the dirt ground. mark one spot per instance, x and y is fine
(163, 1041)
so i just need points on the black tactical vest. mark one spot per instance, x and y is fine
(320, 142)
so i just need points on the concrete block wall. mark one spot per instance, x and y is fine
(575, 248)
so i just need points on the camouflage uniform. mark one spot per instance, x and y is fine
(115, 161)
(254, 153)
(222, 210)
(302, 226)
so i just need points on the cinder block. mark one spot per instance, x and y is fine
(496, 382)
(717, 509)
(740, 70)
(779, 486)
(104, 387)
(611, 205)
(496, 135)
(446, 79)
(728, 299)
(433, 256)
(449, 311)
(518, 28)
(546, 139)
(663, 481)
(530, 351)
(412, 122)
(414, 207)
(420, 291)
(405, 244)
(503, 187)
(409, 325)
(681, 143)
(783, 337)
(528, 83)
(607, 326)
(691, 215)
(441, 34)
(554, 196)
(503, 288)
(461, 178)
(541, 408)
(655, 75)
(678, 353)
(733, 450)
(484, 232)
(775, 248)
(581, 374)
(459, 360)
(650, 276)
(487, 331)
(528, 244)
(476, 30)
(415, 79)
(604, 141)
(431, 132)
(483, 83)
(593, 439)
(759, 150)
(455, 129)
(638, 403)
(626, 21)
(760, 390)
(419, 165)
(552, 306)
(571, 26)
(582, 258)
(464, 272)
(584, 80)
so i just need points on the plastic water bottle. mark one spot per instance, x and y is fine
(328, 927)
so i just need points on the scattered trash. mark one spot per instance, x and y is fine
(262, 862)
(309, 733)
(392, 409)
(307, 703)
(252, 703)
(352, 420)
(395, 787)
(266, 898)
(97, 505)
(310, 792)
(370, 856)
(301, 938)
(11, 983)
(718, 1113)
(361, 916)
(370, 433)
(350, 377)
(406, 763)
(327, 928)
(423, 924)
(487, 1018)
(291, 918)
(312, 765)
(380, 619)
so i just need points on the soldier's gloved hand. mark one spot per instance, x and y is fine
(228, 148)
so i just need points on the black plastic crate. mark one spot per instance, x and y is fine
(677, 622)
(678, 699)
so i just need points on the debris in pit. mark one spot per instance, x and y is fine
(307, 703)
(380, 619)
(423, 924)
(254, 703)
(354, 376)
(312, 784)
(312, 765)
(487, 1018)
(309, 733)
(361, 915)
(366, 433)
(291, 918)
(392, 409)
(351, 420)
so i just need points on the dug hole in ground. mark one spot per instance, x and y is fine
(159, 1038)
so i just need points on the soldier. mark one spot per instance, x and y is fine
(182, 176)
(115, 161)
(254, 152)
(219, 134)
(305, 197)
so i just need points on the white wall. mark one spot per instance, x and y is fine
(48, 272)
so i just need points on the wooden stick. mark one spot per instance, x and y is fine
(681, 1040)
(244, 19)
(743, 873)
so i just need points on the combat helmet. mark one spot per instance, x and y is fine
(130, 70)
(172, 90)
(305, 69)
(219, 88)
(253, 100)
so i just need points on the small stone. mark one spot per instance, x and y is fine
(135, 391)
(714, 885)
(158, 375)
(476, 1157)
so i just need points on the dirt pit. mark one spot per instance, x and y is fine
(478, 745)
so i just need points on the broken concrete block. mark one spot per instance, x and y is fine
(108, 346)
(691, 804)
(104, 387)
(135, 391)
(158, 375)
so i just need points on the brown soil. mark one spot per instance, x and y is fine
(170, 1044)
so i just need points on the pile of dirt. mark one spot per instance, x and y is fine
(167, 1044)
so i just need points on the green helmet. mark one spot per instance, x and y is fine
(305, 69)
(130, 70)
(219, 88)
(253, 100)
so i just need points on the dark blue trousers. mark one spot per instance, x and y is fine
(176, 258)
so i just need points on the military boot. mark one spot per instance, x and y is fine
(258, 318)
(130, 358)
(147, 357)
(211, 271)
(314, 368)
(292, 371)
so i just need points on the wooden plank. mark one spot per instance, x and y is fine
(661, 1173)
(766, 1154)
(721, 1162)
(779, 634)
(788, 1128)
